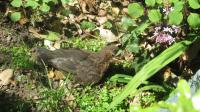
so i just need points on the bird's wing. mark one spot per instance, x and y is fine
(68, 60)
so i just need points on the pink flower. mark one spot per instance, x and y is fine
(164, 38)
(168, 29)
(167, 10)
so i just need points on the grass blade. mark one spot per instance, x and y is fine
(150, 69)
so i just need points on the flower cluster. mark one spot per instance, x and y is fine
(164, 35)
(167, 10)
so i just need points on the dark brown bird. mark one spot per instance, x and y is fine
(88, 67)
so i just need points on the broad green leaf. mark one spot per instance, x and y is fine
(150, 2)
(175, 17)
(194, 20)
(44, 8)
(154, 16)
(31, 3)
(52, 36)
(16, 3)
(159, 1)
(15, 16)
(178, 6)
(135, 10)
(194, 4)
(151, 68)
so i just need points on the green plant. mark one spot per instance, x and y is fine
(21, 57)
(87, 25)
(97, 99)
(52, 100)
(151, 68)
(38, 8)
(185, 102)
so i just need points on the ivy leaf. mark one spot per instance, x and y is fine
(194, 20)
(194, 4)
(178, 6)
(15, 16)
(175, 17)
(159, 1)
(154, 16)
(44, 8)
(16, 3)
(32, 4)
(135, 10)
(150, 2)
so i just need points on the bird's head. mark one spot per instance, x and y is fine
(109, 51)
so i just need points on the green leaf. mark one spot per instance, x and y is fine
(159, 1)
(154, 16)
(134, 48)
(16, 3)
(151, 68)
(108, 25)
(135, 10)
(31, 3)
(126, 22)
(65, 2)
(194, 20)
(52, 36)
(44, 8)
(178, 6)
(175, 17)
(15, 16)
(87, 25)
(121, 78)
(194, 4)
(150, 2)
(184, 88)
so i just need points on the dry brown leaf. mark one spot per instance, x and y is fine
(23, 21)
(34, 32)
(115, 10)
(90, 4)
(6, 76)
(107, 35)
(58, 75)
(50, 74)
(101, 20)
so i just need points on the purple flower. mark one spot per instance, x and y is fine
(168, 29)
(164, 38)
(176, 28)
(167, 10)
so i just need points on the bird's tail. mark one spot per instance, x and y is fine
(42, 54)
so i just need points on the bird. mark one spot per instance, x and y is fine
(88, 67)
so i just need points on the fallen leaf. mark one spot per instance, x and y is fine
(58, 75)
(115, 10)
(101, 20)
(23, 21)
(5, 76)
(49, 44)
(50, 74)
(107, 35)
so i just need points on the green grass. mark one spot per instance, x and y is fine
(20, 56)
